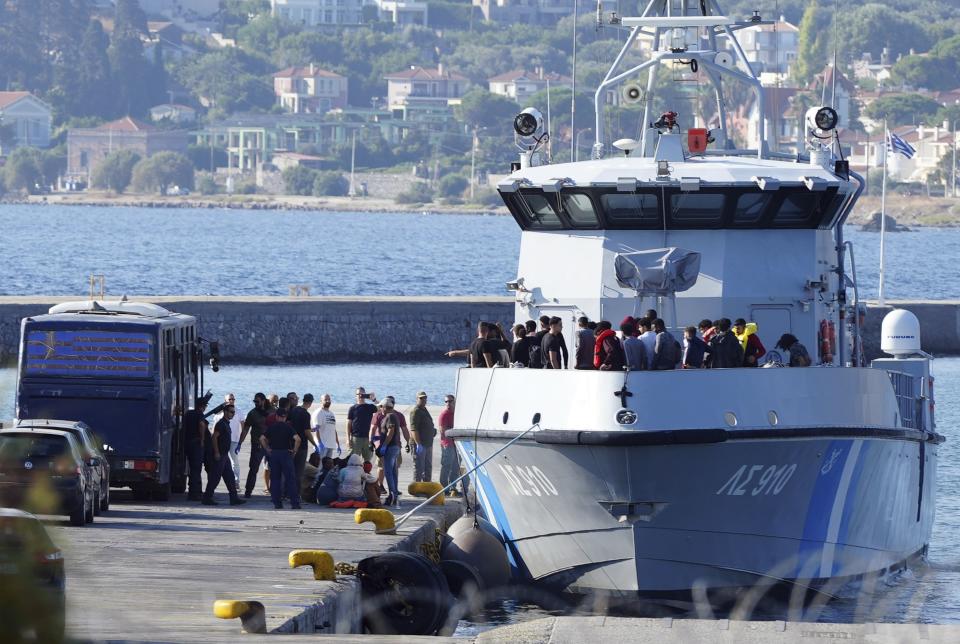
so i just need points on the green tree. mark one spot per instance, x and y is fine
(480, 108)
(129, 15)
(94, 91)
(115, 171)
(263, 33)
(928, 72)
(230, 79)
(330, 184)
(811, 46)
(902, 109)
(452, 185)
(204, 157)
(872, 27)
(299, 180)
(161, 171)
(418, 192)
(132, 73)
(23, 171)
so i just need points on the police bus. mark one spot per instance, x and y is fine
(127, 369)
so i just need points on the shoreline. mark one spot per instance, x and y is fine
(253, 202)
(908, 210)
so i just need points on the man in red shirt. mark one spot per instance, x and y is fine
(449, 459)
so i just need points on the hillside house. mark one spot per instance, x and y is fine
(520, 85)
(318, 13)
(26, 121)
(419, 90)
(309, 90)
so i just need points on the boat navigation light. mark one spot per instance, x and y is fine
(821, 120)
(626, 145)
(528, 122)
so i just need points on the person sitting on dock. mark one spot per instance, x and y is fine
(666, 352)
(694, 349)
(327, 485)
(633, 350)
(753, 349)
(353, 480)
(799, 357)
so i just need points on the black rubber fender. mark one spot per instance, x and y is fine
(461, 576)
(403, 593)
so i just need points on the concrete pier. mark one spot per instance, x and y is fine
(264, 330)
(150, 571)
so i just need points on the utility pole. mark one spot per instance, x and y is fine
(352, 192)
(573, 84)
(473, 162)
(953, 177)
(549, 131)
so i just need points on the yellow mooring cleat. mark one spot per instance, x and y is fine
(320, 560)
(252, 615)
(426, 489)
(382, 519)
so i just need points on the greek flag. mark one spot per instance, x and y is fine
(896, 144)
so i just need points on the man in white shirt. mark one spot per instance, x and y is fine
(324, 424)
(236, 426)
(649, 339)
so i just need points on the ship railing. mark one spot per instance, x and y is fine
(909, 392)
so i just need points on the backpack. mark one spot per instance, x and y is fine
(536, 354)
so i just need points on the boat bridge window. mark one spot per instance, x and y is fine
(655, 208)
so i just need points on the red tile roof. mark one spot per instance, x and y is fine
(9, 98)
(519, 74)
(305, 72)
(126, 124)
(420, 73)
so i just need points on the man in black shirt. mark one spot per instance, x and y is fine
(299, 417)
(476, 347)
(254, 423)
(537, 358)
(281, 442)
(194, 427)
(554, 347)
(221, 467)
(359, 417)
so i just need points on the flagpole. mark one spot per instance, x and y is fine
(883, 211)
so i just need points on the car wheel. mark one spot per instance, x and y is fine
(79, 514)
(105, 503)
(96, 505)
(88, 514)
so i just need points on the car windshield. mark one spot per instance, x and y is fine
(16, 533)
(38, 446)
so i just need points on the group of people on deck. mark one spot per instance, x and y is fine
(641, 344)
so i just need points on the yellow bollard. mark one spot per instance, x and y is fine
(426, 489)
(253, 617)
(320, 560)
(382, 519)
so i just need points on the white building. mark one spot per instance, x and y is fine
(309, 90)
(770, 47)
(421, 89)
(403, 12)
(173, 112)
(26, 118)
(930, 142)
(520, 85)
(192, 9)
(319, 13)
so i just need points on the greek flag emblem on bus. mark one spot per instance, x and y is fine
(898, 145)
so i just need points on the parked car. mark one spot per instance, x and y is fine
(92, 450)
(44, 470)
(31, 579)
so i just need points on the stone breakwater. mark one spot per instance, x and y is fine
(265, 330)
(308, 329)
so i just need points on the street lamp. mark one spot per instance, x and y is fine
(953, 175)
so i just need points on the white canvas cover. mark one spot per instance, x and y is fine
(659, 271)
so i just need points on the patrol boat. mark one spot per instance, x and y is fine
(667, 483)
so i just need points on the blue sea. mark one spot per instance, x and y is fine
(52, 250)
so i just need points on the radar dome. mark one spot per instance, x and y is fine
(900, 333)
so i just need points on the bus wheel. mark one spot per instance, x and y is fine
(161, 492)
(178, 485)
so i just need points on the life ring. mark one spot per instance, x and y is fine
(404, 593)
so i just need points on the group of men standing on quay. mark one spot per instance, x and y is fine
(642, 344)
(285, 434)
